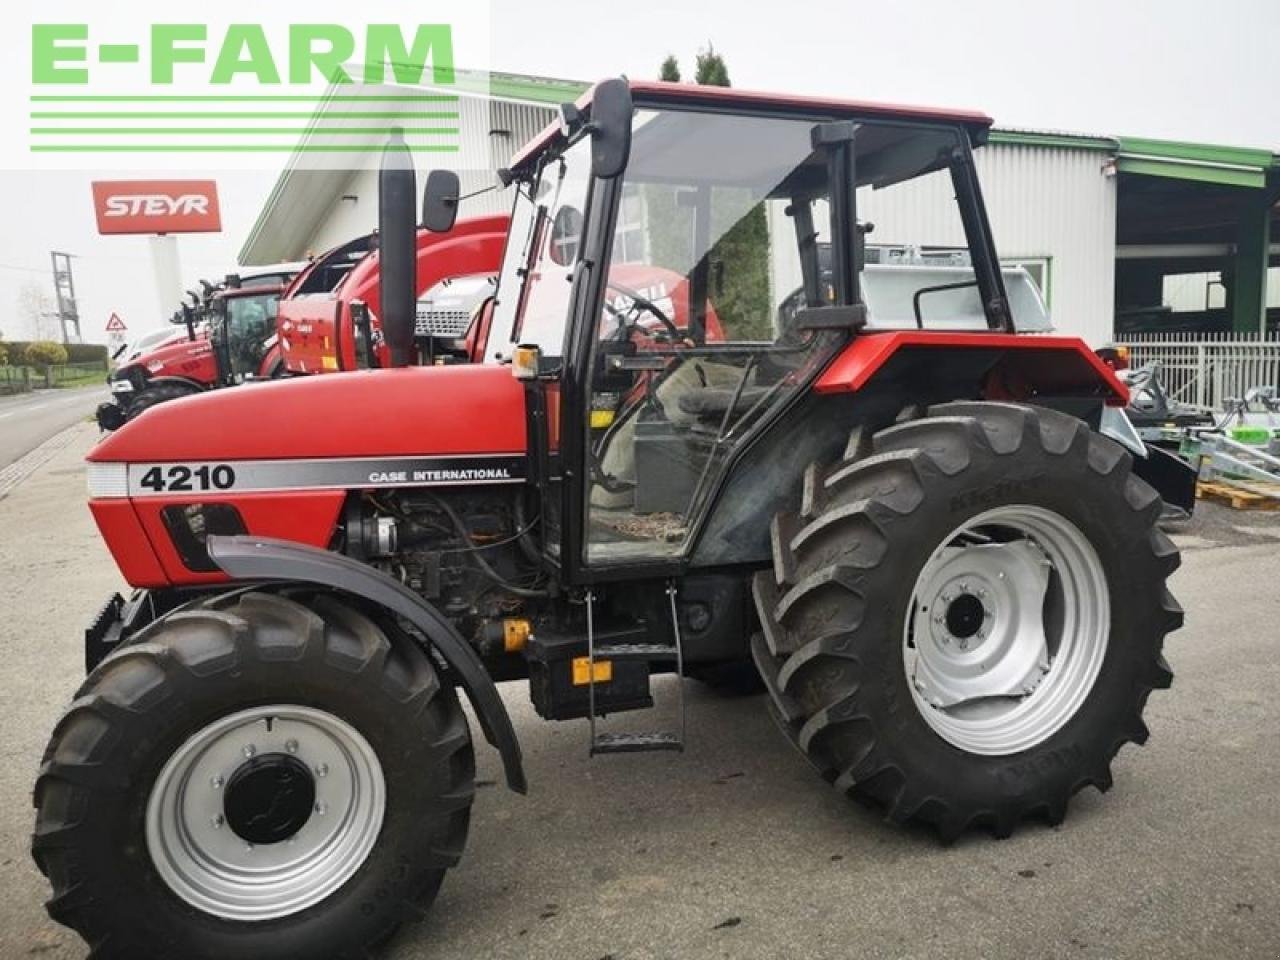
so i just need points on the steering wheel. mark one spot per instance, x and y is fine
(639, 300)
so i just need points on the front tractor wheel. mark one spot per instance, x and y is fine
(157, 394)
(261, 776)
(964, 625)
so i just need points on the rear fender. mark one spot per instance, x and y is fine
(996, 366)
(261, 558)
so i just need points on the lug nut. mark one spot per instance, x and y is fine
(216, 781)
(291, 746)
(321, 807)
(217, 821)
(249, 750)
(322, 770)
(248, 848)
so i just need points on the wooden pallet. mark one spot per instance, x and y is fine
(1257, 496)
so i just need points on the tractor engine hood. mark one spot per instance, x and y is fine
(181, 358)
(407, 411)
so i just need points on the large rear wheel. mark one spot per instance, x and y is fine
(262, 776)
(964, 626)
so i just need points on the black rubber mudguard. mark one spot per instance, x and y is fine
(267, 559)
(1169, 475)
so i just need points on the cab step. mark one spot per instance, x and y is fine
(636, 742)
(625, 652)
(648, 652)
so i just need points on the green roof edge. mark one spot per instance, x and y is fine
(1197, 152)
(1068, 141)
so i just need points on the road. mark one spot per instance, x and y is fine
(28, 419)
(736, 849)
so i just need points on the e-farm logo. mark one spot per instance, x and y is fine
(242, 88)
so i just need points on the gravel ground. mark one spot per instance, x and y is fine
(736, 849)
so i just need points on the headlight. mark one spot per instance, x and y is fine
(108, 480)
(121, 386)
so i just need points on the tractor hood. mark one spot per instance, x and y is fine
(181, 358)
(408, 411)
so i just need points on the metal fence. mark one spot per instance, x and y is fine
(1204, 369)
(63, 372)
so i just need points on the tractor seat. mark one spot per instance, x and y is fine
(714, 401)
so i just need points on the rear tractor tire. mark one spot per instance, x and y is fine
(259, 776)
(963, 627)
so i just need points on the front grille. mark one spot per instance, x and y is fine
(442, 323)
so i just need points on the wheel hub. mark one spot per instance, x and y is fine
(269, 798)
(986, 631)
(964, 616)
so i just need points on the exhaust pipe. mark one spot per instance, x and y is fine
(398, 249)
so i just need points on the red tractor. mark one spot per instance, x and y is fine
(933, 540)
(328, 319)
(230, 338)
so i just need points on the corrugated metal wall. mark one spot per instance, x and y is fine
(1058, 203)
(1053, 203)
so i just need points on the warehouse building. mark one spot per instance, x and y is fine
(1121, 235)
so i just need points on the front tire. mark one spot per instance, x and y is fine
(261, 776)
(155, 395)
(964, 626)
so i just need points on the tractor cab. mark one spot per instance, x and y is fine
(243, 331)
(683, 263)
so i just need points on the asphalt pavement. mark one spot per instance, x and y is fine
(736, 849)
(28, 419)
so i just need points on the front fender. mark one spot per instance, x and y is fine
(263, 558)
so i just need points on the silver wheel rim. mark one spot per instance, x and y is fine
(1007, 630)
(208, 865)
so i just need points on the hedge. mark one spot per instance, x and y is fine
(76, 352)
(44, 353)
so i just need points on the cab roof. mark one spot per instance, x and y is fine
(657, 92)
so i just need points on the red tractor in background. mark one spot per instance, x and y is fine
(230, 337)
(328, 320)
(321, 319)
(932, 539)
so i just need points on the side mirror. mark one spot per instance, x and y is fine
(610, 128)
(440, 201)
